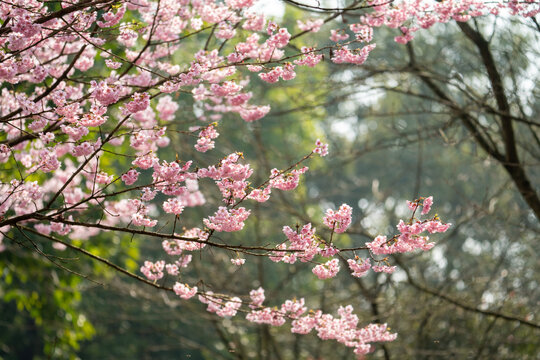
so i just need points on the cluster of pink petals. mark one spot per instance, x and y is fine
(136, 210)
(184, 291)
(363, 33)
(338, 35)
(359, 267)
(145, 161)
(327, 270)
(356, 56)
(384, 268)
(343, 329)
(139, 219)
(227, 168)
(111, 18)
(130, 177)
(139, 102)
(339, 220)
(285, 73)
(184, 261)
(310, 25)
(111, 64)
(172, 269)
(257, 297)
(409, 15)
(166, 108)
(238, 261)
(304, 245)
(173, 206)
(272, 316)
(280, 39)
(20, 196)
(309, 57)
(426, 204)
(206, 138)
(260, 195)
(253, 113)
(85, 149)
(267, 316)
(170, 177)
(288, 181)
(172, 247)
(195, 234)
(220, 307)
(410, 237)
(228, 88)
(148, 194)
(105, 93)
(320, 148)
(230, 177)
(227, 220)
(153, 271)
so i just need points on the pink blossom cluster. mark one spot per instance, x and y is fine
(320, 148)
(227, 220)
(105, 93)
(84, 149)
(172, 269)
(111, 18)
(279, 180)
(304, 245)
(22, 197)
(343, 329)
(195, 234)
(172, 247)
(327, 270)
(286, 73)
(338, 35)
(206, 138)
(267, 316)
(238, 261)
(410, 15)
(291, 309)
(310, 25)
(410, 237)
(257, 297)
(173, 206)
(309, 58)
(184, 261)
(170, 178)
(363, 33)
(135, 210)
(166, 108)
(227, 168)
(139, 102)
(219, 306)
(184, 291)
(355, 56)
(230, 177)
(426, 204)
(280, 39)
(339, 220)
(130, 177)
(153, 271)
(359, 267)
(384, 268)
(260, 195)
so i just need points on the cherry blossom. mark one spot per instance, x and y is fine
(339, 220)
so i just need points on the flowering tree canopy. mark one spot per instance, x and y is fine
(89, 113)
